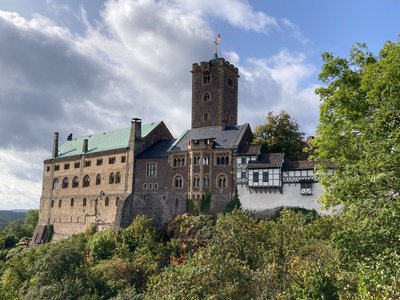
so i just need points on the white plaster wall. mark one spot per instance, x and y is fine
(290, 197)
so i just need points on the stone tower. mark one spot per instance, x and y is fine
(214, 94)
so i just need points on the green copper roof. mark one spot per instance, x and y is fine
(110, 140)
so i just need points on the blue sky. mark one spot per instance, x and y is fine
(90, 66)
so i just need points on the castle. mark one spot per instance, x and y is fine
(105, 180)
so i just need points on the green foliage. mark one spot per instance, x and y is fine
(205, 203)
(359, 132)
(234, 204)
(280, 134)
(102, 245)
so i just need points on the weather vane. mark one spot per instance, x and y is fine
(216, 43)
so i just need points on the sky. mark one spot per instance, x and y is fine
(84, 67)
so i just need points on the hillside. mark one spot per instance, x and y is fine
(7, 216)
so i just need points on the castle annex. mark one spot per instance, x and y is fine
(106, 179)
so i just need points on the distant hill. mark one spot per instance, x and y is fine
(7, 216)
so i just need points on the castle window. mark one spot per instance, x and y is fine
(150, 186)
(306, 188)
(243, 175)
(206, 97)
(56, 167)
(84, 202)
(223, 160)
(86, 181)
(206, 182)
(231, 119)
(59, 203)
(151, 169)
(48, 168)
(206, 77)
(265, 176)
(117, 201)
(88, 163)
(196, 160)
(65, 182)
(99, 162)
(75, 182)
(111, 160)
(206, 160)
(123, 158)
(196, 181)
(145, 186)
(77, 165)
(230, 81)
(72, 202)
(178, 182)
(117, 177)
(156, 186)
(221, 181)
(66, 166)
(98, 179)
(107, 202)
(55, 184)
(111, 178)
(255, 177)
(52, 203)
(205, 117)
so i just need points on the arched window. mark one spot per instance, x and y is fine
(206, 182)
(59, 203)
(205, 117)
(178, 182)
(86, 181)
(111, 180)
(55, 184)
(52, 203)
(117, 201)
(196, 181)
(218, 160)
(222, 160)
(72, 201)
(75, 182)
(117, 177)
(227, 160)
(206, 77)
(206, 97)
(98, 179)
(107, 201)
(65, 183)
(84, 202)
(221, 181)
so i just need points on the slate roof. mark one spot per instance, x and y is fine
(229, 137)
(298, 165)
(159, 149)
(267, 160)
(111, 140)
(249, 150)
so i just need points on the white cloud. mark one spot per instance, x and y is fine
(274, 84)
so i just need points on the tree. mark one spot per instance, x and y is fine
(359, 132)
(280, 134)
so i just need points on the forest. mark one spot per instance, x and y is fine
(353, 254)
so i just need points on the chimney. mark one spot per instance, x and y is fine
(136, 127)
(85, 146)
(55, 145)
